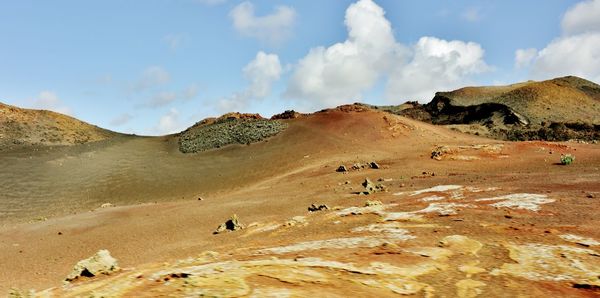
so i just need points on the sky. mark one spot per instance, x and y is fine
(154, 67)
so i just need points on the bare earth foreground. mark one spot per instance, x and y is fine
(487, 218)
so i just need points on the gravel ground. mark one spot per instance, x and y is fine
(227, 132)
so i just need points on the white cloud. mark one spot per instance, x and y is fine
(436, 65)
(581, 18)
(175, 41)
(472, 14)
(151, 77)
(524, 57)
(261, 72)
(169, 123)
(342, 72)
(577, 51)
(573, 55)
(48, 100)
(121, 120)
(272, 29)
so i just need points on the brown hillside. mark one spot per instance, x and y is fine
(20, 126)
(567, 99)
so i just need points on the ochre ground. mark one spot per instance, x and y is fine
(455, 245)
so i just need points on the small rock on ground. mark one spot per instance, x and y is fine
(232, 224)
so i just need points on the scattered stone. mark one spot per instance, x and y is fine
(439, 151)
(371, 187)
(372, 203)
(589, 196)
(200, 199)
(314, 208)
(373, 165)
(342, 169)
(233, 224)
(295, 221)
(358, 166)
(107, 205)
(100, 263)
(347, 182)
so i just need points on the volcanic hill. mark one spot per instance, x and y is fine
(44, 128)
(558, 110)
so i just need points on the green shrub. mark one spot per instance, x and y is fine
(567, 159)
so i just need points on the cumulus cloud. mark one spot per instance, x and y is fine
(524, 57)
(48, 100)
(261, 73)
(571, 55)
(169, 123)
(581, 18)
(576, 51)
(121, 120)
(272, 29)
(436, 65)
(342, 72)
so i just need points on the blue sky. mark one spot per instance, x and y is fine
(154, 67)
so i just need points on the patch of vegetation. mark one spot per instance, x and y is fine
(227, 132)
(566, 159)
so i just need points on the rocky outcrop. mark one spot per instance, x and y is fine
(289, 114)
(371, 187)
(100, 263)
(314, 207)
(232, 224)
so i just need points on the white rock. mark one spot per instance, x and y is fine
(100, 263)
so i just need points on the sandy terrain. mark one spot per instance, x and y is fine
(485, 218)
